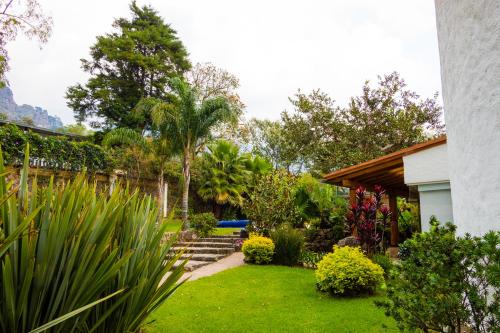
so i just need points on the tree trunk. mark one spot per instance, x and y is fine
(160, 192)
(218, 211)
(185, 188)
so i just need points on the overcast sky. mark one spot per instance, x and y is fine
(273, 47)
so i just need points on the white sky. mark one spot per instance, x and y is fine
(274, 47)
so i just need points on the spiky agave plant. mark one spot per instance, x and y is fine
(66, 248)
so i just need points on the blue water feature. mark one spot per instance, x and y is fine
(233, 224)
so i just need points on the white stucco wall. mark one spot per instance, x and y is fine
(427, 166)
(469, 47)
(435, 199)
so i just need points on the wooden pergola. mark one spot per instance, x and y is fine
(387, 171)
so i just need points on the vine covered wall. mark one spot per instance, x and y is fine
(52, 152)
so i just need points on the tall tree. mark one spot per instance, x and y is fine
(210, 82)
(187, 122)
(381, 120)
(20, 16)
(134, 62)
(268, 139)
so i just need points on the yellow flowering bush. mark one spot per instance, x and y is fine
(258, 249)
(347, 271)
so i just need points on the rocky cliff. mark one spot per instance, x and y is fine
(20, 113)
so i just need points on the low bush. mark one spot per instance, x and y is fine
(445, 283)
(383, 261)
(347, 271)
(258, 250)
(204, 223)
(288, 243)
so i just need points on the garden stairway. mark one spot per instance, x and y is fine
(204, 251)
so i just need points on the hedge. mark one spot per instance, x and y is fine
(52, 152)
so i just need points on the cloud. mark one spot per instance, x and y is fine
(274, 47)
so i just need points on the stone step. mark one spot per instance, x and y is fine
(205, 250)
(205, 244)
(225, 236)
(192, 264)
(202, 257)
(217, 240)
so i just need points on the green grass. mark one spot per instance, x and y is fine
(265, 299)
(225, 231)
(176, 224)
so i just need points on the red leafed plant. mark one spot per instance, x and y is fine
(368, 219)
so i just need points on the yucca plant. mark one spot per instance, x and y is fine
(65, 248)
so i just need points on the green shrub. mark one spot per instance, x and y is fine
(271, 202)
(445, 283)
(79, 247)
(310, 259)
(258, 250)
(383, 261)
(316, 200)
(204, 223)
(288, 243)
(347, 271)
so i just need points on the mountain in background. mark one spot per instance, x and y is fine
(20, 113)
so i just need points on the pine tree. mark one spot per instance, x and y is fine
(134, 62)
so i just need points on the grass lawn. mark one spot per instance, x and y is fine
(175, 225)
(265, 299)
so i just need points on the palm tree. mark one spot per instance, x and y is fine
(224, 175)
(187, 122)
(157, 146)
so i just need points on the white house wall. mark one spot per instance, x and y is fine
(469, 45)
(435, 200)
(427, 166)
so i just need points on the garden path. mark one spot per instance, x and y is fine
(233, 260)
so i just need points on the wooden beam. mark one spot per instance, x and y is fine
(398, 190)
(393, 207)
(372, 169)
(398, 155)
(384, 173)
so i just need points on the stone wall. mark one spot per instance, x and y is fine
(104, 181)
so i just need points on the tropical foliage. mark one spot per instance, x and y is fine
(156, 149)
(347, 271)
(227, 175)
(408, 217)
(52, 152)
(64, 248)
(224, 174)
(446, 283)
(186, 123)
(368, 218)
(324, 212)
